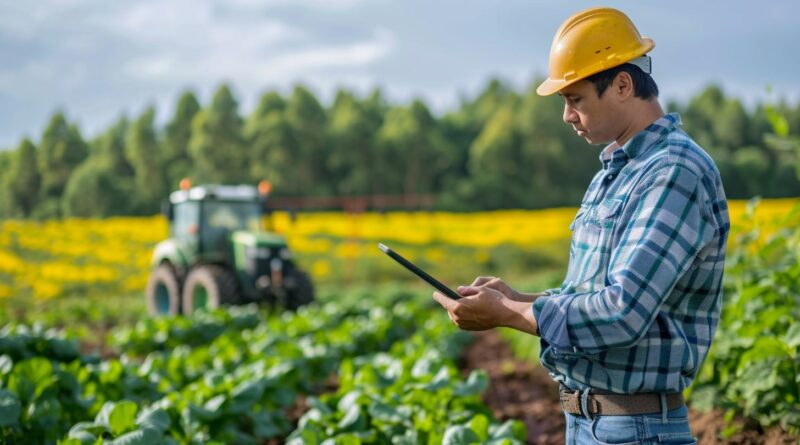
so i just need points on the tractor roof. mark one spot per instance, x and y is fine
(217, 192)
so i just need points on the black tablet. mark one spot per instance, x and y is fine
(420, 273)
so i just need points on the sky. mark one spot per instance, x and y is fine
(97, 59)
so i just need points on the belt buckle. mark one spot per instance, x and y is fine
(569, 402)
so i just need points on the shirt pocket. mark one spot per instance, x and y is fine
(592, 243)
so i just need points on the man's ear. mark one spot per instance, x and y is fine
(622, 86)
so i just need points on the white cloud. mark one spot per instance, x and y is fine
(357, 54)
(259, 61)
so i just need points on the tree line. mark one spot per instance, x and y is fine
(500, 149)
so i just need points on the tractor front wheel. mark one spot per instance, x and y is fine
(162, 293)
(208, 287)
(302, 292)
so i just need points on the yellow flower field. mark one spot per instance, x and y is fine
(111, 257)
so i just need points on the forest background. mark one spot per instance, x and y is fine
(500, 149)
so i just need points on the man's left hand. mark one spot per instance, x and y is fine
(481, 308)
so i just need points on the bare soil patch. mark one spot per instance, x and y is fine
(524, 391)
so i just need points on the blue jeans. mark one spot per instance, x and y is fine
(630, 430)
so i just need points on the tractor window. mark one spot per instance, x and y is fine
(232, 215)
(187, 216)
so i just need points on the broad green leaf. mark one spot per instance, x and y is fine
(353, 420)
(63, 349)
(10, 409)
(81, 438)
(314, 402)
(792, 336)
(423, 367)
(246, 395)
(343, 439)
(154, 418)
(308, 436)
(93, 428)
(480, 425)
(122, 417)
(144, 436)
(511, 429)
(6, 364)
(779, 123)
(264, 426)
(198, 413)
(214, 403)
(409, 437)
(387, 413)
(476, 383)
(440, 380)
(764, 348)
(30, 378)
(349, 400)
(460, 435)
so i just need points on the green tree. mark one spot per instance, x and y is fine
(143, 151)
(416, 148)
(496, 162)
(309, 155)
(558, 164)
(23, 181)
(274, 151)
(178, 133)
(352, 128)
(217, 143)
(94, 191)
(269, 136)
(61, 150)
(6, 157)
(110, 146)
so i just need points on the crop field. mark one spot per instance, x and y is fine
(372, 361)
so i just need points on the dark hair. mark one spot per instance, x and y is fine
(643, 85)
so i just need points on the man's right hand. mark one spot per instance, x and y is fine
(498, 285)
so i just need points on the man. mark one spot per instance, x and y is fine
(628, 329)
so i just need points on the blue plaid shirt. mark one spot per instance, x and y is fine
(641, 300)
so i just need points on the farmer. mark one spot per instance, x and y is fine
(629, 327)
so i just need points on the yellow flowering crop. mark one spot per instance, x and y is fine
(112, 256)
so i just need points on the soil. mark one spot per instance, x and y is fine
(523, 390)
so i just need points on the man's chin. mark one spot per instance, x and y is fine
(593, 141)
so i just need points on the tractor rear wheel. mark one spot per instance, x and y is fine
(162, 294)
(303, 291)
(208, 287)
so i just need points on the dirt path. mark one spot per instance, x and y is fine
(521, 390)
(517, 389)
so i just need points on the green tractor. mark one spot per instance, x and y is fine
(219, 254)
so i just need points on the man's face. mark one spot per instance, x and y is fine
(593, 118)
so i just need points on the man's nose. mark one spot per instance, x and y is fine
(570, 116)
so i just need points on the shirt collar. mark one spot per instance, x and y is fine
(615, 157)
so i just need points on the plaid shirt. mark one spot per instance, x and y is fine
(641, 299)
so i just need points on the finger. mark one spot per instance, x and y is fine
(468, 290)
(446, 302)
(480, 281)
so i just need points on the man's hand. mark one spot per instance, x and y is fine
(498, 285)
(485, 308)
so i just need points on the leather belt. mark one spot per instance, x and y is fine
(617, 404)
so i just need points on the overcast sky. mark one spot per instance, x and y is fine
(97, 59)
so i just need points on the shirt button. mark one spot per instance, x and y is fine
(610, 176)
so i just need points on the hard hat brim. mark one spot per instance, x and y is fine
(550, 87)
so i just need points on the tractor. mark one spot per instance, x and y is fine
(218, 253)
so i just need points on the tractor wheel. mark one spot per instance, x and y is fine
(303, 292)
(162, 294)
(209, 287)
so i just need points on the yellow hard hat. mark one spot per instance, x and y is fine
(589, 42)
